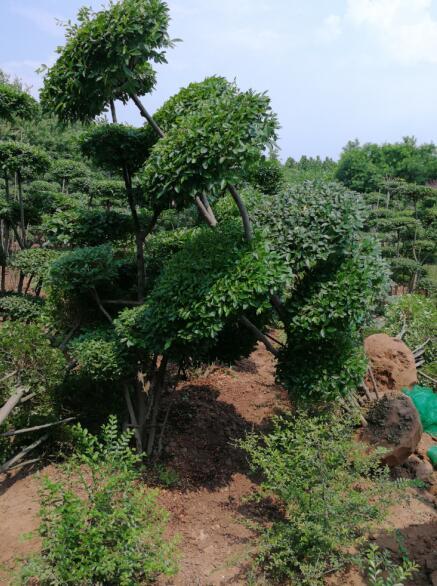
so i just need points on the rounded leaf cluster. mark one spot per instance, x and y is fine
(188, 101)
(15, 103)
(209, 148)
(83, 269)
(210, 283)
(115, 146)
(27, 160)
(98, 356)
(306, 223)
(107, 56)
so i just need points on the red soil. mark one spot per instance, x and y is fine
(208, 504)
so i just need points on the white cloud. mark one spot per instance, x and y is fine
(405, 28)
(330, 30)
(45, 21)
(25, 70)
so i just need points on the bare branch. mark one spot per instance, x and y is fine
(11, 403)
(259, 335)
(37, 427)
(145, 114)
(7, 465)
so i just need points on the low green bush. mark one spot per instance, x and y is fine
(328, 489)
(99, 525)
(418, 315)
(24, 308)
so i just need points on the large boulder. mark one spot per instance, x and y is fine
(393, 424)
(392, 362)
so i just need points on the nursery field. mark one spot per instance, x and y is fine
(215, 367)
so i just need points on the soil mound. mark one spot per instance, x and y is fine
(392, 363)
(394, 424)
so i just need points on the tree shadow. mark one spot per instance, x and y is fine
(200, 441)
(419, 543)
(9, 479)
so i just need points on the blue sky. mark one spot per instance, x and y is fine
(335, 69)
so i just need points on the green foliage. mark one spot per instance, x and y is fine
(83, 269)
(268, 176)
(86, 227)
(99, 525)
(114, 146)
(309, 169)
(364, 168)
(25, 308)
(107, 56)
(63, 170)
(34, 261)
(215, 278)
(339, 279)
(330, 489)
(419, 315)
(160, 247)
(188, 101)
(25, 348)
(16, 104)
(16, 157)
(339, 294)
(108, 190)
(306, 223)
(209, 148)
(98, 356)
(382, 571)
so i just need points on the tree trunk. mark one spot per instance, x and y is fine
(3, 279)
(158, 389)
(21, 202)
(141, 272)
(113, 112)
(20, 283)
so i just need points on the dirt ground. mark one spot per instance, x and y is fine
(208, 485)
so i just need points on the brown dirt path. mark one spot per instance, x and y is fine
(209, 511)
(208, 502)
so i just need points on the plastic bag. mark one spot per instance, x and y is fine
(425, 401)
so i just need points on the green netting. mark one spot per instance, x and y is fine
(425, 401)
(432, 455)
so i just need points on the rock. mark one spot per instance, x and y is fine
(394, 424)
(392, 362)
(426, 442)
(421, 469)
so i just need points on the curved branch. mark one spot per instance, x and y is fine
(259, 335)
(243, 213)
(145, 114)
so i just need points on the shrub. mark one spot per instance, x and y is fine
(24, 348)
(382, 571)
(26, 351)
(98, 356)
(268, 176)
(419, 315)
(330, 491)
(98, 524)
(23, 308)
(204, 287)
(83, 269)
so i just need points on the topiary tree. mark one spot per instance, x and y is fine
(64, 170)
(25, 162)
(212, 292)
(16, 104)
(108, 56)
